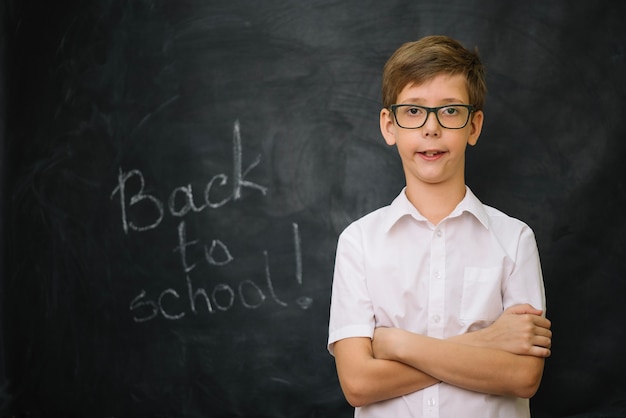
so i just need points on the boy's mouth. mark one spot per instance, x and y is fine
(431, 153)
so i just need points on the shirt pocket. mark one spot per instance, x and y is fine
(482, 295)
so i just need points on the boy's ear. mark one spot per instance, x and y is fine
(387, 127)
(476, 127)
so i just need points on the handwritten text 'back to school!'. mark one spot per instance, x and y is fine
(223, 296)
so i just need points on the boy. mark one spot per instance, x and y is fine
(437, 301)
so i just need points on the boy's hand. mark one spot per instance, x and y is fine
(520, 330)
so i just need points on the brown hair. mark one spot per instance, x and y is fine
(420, 61)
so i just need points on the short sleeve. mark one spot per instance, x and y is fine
(525, 283)
(351, 311)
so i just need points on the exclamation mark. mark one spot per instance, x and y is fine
(304, 302)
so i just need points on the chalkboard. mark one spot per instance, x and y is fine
(175, 175)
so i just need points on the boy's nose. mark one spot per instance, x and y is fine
(431, 127)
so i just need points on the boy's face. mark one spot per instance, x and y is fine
(433, 154)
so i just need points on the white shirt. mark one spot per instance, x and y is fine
(396, 269)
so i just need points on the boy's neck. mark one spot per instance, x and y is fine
(435, 201)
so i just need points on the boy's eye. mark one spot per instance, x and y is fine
(413, 111)
(449, 111)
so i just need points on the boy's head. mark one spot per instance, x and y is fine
(422, 60)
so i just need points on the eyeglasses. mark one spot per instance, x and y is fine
(453, 116)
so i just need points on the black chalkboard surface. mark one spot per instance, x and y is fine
(176, 174)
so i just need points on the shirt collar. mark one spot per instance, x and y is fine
(401, 207)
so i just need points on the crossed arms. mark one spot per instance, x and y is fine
(506, 358)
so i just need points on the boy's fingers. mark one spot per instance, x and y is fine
(540, 352)
(542, 322)
(524, 308)
(543, 342)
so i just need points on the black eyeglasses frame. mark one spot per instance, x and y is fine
(434, 110)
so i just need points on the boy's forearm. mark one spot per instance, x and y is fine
(365, 379)
(470, 367)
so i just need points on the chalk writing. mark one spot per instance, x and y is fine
(222, 296)
(217, 246)
(140, 196)
(142, 211)
(217, 254)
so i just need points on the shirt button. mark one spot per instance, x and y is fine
(438, 275)
(432, 402)
(439, 233)
(436, 319)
